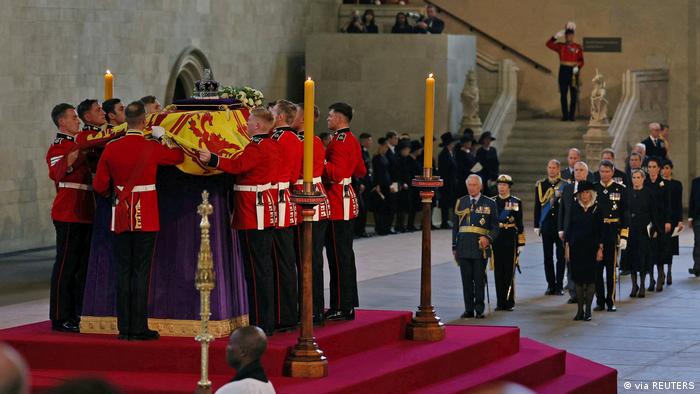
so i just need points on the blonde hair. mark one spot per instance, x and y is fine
(288, 109)
(263, 114)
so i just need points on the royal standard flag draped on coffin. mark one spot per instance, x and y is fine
(222, 132)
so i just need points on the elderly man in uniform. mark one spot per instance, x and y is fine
(508, 244)
(127, 169)
(476, 226)
(612, 199)
(570, 64)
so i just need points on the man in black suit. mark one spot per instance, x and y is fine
(564, 215)
(447, 168)
(694, 219)
(655, 146)
(573, 157)
(363, 185)
(430, 24)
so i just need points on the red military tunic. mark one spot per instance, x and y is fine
(343, 161)
(569, 54)
(291, 150)
(74, 201)
(256, 169)
(323, 210)
(93, 136)
(128, 167)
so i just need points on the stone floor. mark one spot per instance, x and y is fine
(648, 340)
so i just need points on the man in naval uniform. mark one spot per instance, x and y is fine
(475, 227)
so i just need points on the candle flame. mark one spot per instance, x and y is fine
(430, 75)
(308, 78)
(108, 72)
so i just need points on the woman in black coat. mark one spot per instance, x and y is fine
(447, 169)
(675, 191)
(642, 211)
(405, 171)
(659, 188)
(584, 246)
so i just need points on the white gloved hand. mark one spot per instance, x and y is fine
(575, 69)
(559, 34)
(623, 244)
(157, 132)
(537, 232)
(520, 249)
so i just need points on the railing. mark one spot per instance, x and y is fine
(503, 112)
(644, 99)
(501, 44)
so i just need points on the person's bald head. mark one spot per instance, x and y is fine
(580, 171)
(13, 372)
(246, 344)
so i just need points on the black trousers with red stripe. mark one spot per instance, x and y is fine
(69, 270)
(341, 264)
(285, 267)
(318, 230)
(256, 246)
(133, 252)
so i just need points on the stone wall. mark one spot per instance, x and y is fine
(57, 51)
(383, 78)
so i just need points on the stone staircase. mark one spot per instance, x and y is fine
(530, 145)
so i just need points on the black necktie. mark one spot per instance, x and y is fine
(473, 204)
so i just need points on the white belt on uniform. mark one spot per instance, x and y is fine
(74, 185)
(259, 203)
(315, 181)
(140, 188)
(346, 197)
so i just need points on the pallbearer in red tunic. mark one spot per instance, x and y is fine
(255, 212)
(570, 64)
(343, 161)
(72, 212)
(291, 149)
(321, 217)
(127, 170)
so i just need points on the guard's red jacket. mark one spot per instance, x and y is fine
(92, 136)
(128, 167)
(256, 169)
(343, 161)
(291, 150)
(74, 201)
(323, 210)
(569, 54)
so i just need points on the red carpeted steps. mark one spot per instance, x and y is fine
(369, 354)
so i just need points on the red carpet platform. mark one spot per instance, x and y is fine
(366, 355)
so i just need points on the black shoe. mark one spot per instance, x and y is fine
(148, 335)
(571, 300)
(286, 328)
(339, 315)
(480, 316)
(612, 308)
(652, 286)
(693, 272)
(559, 291)
(587, 316)
(549, 291)
(564, 118)
(65, 326)
(508, 308)
(500, 308)
(467, 315)
(411, 229)
(599, 308)
(124, 336)
(579, 316)
(318, 320)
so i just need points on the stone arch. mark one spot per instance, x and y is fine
(189, 67)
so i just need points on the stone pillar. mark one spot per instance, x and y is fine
(595, 140)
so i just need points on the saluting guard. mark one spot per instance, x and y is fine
(570, 64)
